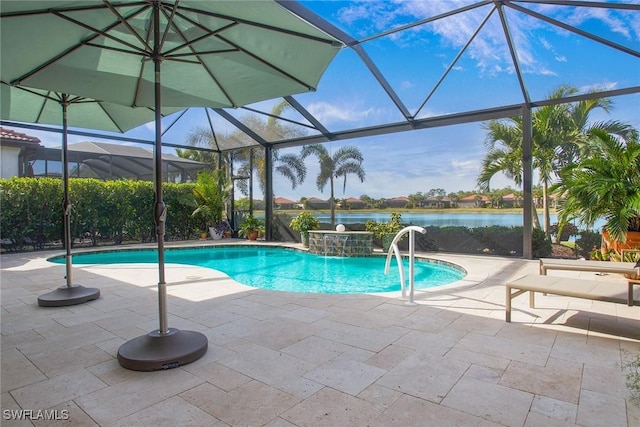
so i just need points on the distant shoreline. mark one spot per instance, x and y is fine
(452, 211)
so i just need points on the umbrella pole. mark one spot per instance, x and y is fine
(165, 347)
(69, 294)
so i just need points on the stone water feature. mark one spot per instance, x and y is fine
(341, 243)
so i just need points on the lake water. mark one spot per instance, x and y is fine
(438, 219)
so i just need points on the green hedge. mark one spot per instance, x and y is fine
(109, 211)
(122, 211)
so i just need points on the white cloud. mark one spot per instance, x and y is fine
(599, 87)
(406, 84)
(330, 113)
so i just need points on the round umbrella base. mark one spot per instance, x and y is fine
(68, 295)
(156, 351)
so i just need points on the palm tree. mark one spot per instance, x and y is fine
(290, 166)
(604, 185)
(558, 139)
(347, 160)
(202, 137)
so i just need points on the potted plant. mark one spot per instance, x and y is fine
(303, 223)
(385, 231)
(210, 193)
(605, 185)
(251, 227)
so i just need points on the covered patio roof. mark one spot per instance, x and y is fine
(114, 161)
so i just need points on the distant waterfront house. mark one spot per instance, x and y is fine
(283, 203)
(511, 201)
(397, 202)
(17, 152)
(444, 202)
(316, 203)
(473, 201)
(353, 203)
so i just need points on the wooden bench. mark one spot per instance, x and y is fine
(615, 292)
(547, 264)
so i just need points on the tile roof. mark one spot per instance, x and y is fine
(12, 135)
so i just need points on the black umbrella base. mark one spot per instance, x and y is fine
(68, 295)
(156, 351)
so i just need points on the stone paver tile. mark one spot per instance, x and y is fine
(203, 395)
(317, 350)
(483, 373)
(600, 410)
(527, 333)
(61, 338)
(504, 348)
(633, 413)
(307, 314)
(221, 376)
(437, 343)
(424, 375)
(349, 376)
(471, 356)
(560, 379)
(69, 360)
(605, 380)
(228, 332)
(331, 408)
(535, 419)
(390, 356)
(409, 411)
(8, 341)
(252, 404)
(279, 422)
(171, 412)
(254, 310)
(279, 333)
(128, 397)
(51, 392)
(591, 354)
(558, 410)
(379, 395)
(274, 368)
(432, 321)
(493, 402)
(477, 325)
(18, 371)
(356, 336)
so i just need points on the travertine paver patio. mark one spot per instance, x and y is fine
(295, 359)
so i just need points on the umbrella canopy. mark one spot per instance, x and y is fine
(213, 53)
(158, 53)
(44, 106)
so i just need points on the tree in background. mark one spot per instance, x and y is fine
(345, 161)
(604, 185)
(290, 166)
(559, 138)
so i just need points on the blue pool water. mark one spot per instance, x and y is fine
(289, 270)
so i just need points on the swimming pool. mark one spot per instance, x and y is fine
(290, 270)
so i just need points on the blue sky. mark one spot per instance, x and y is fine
(414, 60)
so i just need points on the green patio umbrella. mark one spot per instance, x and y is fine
(157, 53)
(43, 106)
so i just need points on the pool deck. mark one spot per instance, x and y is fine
(294, 359)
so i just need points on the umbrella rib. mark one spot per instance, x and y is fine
(188, 44)
(124, 21)
(62, 54)
(264, 26)
(105, 32)
(267, 63)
